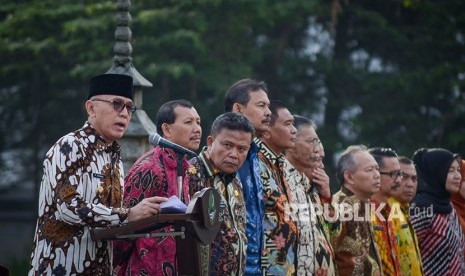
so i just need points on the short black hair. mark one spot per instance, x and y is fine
(166, 114)
(379, 153)
(232, 121)
(405, 160)
(240, 91)
(276, 105)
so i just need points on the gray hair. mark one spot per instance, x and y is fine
(347, 162)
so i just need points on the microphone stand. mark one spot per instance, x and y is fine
(179, 159)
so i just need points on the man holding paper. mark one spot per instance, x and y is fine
(155, 174)
(226, 150)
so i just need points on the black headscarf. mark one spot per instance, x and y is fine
(432, 168)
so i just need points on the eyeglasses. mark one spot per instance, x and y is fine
(394, 174)
(119, 105)
(314, 142)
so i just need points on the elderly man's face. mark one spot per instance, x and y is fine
(228, 149)
(365, 180)
(109, 123)
(308, 151)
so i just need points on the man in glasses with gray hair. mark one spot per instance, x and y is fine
(82, 186)
(307, 158)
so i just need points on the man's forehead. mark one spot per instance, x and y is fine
(408, 167)
(364, 159)
(307, 131)
(285, 115)
(182, 112)
(258, 96)
(112, 97)
(226, 133)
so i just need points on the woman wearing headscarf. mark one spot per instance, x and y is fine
(433, 217)
(458, 199)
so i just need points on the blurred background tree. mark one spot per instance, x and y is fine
(381, 73)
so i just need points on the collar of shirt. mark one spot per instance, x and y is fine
(98, 143)
(277, 160)
(211, 169)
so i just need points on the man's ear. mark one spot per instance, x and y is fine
(166, 130)
(90, 108)
(210, 141)
(348, 177)
(237, 107)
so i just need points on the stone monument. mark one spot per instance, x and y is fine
(134, 142)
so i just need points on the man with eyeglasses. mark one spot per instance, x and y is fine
(82, 186)
(155, 174)
(406, 238)
(383, 228)
(307, 159)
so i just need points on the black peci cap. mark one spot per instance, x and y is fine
(111, 84)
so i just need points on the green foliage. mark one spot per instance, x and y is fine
(385, 73)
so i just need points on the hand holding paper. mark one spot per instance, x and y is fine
(173, 205)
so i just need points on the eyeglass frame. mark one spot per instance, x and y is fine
(131, 108)
(394, 174)
(314, 142)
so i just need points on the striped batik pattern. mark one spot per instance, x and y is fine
(441, 243)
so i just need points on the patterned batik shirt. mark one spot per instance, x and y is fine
(281, 233)
(300, 213)
(406, 240)
(249, 175)
(153, 174)
(323, 222)
(228, 250)
(82, 181)
(385, 238)
(441, 241)
(354, 246)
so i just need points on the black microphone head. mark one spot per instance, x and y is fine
(154, 139)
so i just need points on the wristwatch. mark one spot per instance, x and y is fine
(122, 213)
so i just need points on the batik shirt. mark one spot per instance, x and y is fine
(228, 250)
(249, 175)
(385, 238)
(323, 222)
(441, 241)
(406, 241)
(153, 174)
(82, 181)
(281, 233)
(356, 252)
(299, 212)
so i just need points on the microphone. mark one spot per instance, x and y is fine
(155, 139)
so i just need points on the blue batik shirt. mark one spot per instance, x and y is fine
(249, 174)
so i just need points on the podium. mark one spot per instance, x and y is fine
(195, 230)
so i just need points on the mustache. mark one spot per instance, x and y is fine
(397, 185)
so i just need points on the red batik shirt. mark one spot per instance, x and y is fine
(153, 174)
